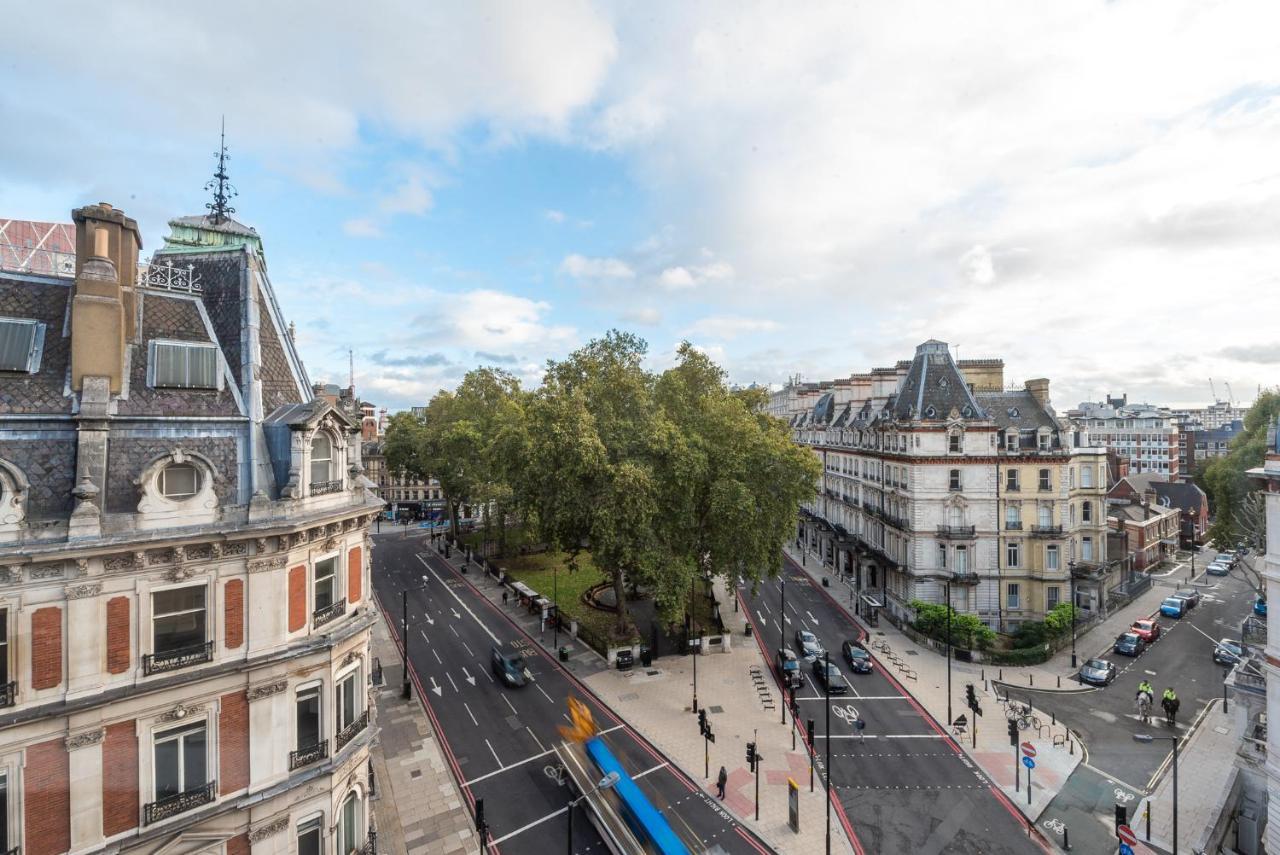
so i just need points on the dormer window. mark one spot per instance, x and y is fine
(179, 481)
(21, 343)
(321, 458)
(183, 365)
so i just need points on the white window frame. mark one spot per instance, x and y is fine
(1012, 516)
(1086, 548)
(1086, 476)
(35, 351)
(158, 735)
(955, 480)
(315, 687)
(11, 774)
(338, 592)
(1013, 596)
(1052, 601)
(209, 613)
(1052, 557)
(180, 497)
(359, 696)
(1013, 554)
(307, 823)
(356, 798)
(217, 364)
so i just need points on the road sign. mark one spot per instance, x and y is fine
(961, 720)
(1126, 849)
(1126, 835)
(1028, 762)
(1028, 749)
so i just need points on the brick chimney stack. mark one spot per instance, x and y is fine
(1039, 389)
(102, 306)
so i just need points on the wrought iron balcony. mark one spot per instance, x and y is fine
(956, 532)
(310, 754)
(1015, 525)
(8, 693)
(321, 488)
(333, 611)
(1046, 531)
(179, 657)
(964, 577)
(370, 846)
(171, 806)
(350, 732)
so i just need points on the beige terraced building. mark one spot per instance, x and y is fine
(184, 560)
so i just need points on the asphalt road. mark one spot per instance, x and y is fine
(902, 784)
(499, 740)
(1106, 718)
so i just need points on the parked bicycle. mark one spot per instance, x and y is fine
(1021, 713)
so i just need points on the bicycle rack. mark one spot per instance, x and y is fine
(762, 687)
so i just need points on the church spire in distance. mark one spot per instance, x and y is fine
(219, 209)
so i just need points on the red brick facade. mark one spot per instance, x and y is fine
(46, 648)
(47, 797)
(297, 598)
(233, 735)
(119, 778)
(238, 845)
(233, 598)
(355, 576)
(118, 635)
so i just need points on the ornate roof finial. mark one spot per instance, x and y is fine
(223, 192)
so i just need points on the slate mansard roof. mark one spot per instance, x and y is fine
(934, 387)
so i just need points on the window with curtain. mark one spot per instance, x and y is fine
(321, 459)
(178, 618)
(1012, 517)
(349, 826)
(1046, 516)
(181, 760)
(1051, 557)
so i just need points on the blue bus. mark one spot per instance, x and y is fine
(646, 822)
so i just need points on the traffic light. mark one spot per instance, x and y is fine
(808, 723)
(480, 815)
(1122, 817)
(1013, 732)
(751, 756)
(970, 699)
(702, 722)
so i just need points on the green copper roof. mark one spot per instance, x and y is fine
(202, 234)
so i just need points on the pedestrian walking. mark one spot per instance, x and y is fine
(1170, 703)
(504, 596)
(721, 780)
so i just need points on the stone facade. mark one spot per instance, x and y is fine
(178, 567)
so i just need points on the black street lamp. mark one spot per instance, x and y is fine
(826, 662)
(693, 645)
(555, 602)
(406, 691)
(606, 783)
(782, 641)
(1071, 581)
(1148, 738)
(950, 719)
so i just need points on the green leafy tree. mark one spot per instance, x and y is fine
(1224, 478)
(966, 629)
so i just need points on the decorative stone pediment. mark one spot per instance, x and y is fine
(84, 739)
(266, 690)
(80, 592)
(178, 713)
(268, 829)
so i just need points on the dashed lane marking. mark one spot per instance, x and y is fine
(508, 703)
(450, 676)
(496, 758)
(476, 723)
(525, 828)
(487, 775)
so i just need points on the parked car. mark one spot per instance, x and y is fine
(788, 665)
(807, 644)
(1129, 644)
(1260, 607)
(1191, 595)
(1148, 630)
(858, 658)
(1228, 652)
(1218, 568)
(1097, 672)
(510, 667)
(1173, 607)
(1228, 558)
(830, 678)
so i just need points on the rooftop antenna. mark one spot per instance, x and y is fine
(351, 357)
(223, 192)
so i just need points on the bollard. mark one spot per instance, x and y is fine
(1066, 839)
(1147, 815)
(1031, 679)
(1059, 681)
(1071, 745)
(984, 675)
(1054, 716)
(1001, 675)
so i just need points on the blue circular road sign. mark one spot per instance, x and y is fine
(1028, 762)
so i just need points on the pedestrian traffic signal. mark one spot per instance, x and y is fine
(1013, 732)
(1122, 817)
(751, 756)
(808, 723)
(970, 699)
(702, 722)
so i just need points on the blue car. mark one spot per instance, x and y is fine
(1260, 607)
(1173, 607)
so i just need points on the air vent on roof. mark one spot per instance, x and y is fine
(942, 381)
(21, 343)
(1013, 412)
(930, 412)
(967, 411)
(183, 365)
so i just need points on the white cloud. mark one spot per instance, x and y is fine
(411, 197)
(679, 278)
(725, 327)
(362, 227)
(978, 266)
(494, 321)
(643, 315)
(582, 267)
(553, 215)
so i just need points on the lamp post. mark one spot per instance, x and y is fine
(406, 691)
(950, 719)
(555, 601)
(606, 783)
(826, 662)
(782, 641)
(1071, 582)
(1147, 738)
(692, 646)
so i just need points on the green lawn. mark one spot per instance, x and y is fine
(538, 571)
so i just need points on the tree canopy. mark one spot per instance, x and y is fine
(1224, 478)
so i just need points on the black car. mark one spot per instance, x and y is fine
(510, 667)
(1191, 595)
(807, 644)
(830, 678)
(1129, 644)
(1228, 652)
(788, 665)
(858, 658)
(1097, 672)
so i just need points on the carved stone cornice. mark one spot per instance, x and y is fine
(179, 574)
(266, 690)
(178, 713)
(80, 592)
(264, 564)
(260, 545)
(84, 739)
(239, 547)
(11, 574)
(269, 829)
(47, 571)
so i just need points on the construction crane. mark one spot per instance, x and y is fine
(1231, 399)
(1213, 389)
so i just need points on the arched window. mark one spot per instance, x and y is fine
(349, 840)
(1086, 512)
(179, 481)
(321, 459)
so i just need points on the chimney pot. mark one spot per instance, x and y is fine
(101, 243)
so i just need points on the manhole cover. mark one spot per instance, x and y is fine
(913, 652)
(416, 773)
(715, 709)
(652, 673)
(879, 632)
(630, 696)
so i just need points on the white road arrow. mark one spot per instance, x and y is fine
(763, 622)
(787, 619)
(470, 679)
(812, 618)
(455, 613)
(429, 618)
(435, 687)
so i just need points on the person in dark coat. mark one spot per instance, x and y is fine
(721, 780)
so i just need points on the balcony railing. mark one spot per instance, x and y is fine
(180, 803)
(964, 577)
(350, 732)
(310, 754)
(1046, 531)
(179, 657)
(1015, 525)
(8, 693)
(370, 846)
(322, 488)
(333, 611)
(956, 531)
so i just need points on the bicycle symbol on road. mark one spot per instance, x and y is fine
(1124, 795)
(555, 773)
(1055, 825)
(846, 713)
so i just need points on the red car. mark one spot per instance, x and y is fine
(1147, 630)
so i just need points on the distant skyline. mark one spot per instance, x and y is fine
(1088, 191)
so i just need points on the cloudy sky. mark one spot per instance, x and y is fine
(1089, 190)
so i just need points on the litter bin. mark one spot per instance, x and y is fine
(747, 631)
(564, 654)
(625, 659)
(646, 657)
(826, 583)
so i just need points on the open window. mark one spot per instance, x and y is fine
(21, 345)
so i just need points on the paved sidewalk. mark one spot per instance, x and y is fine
(418, 808)
(657, 701)
(1057, 754)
